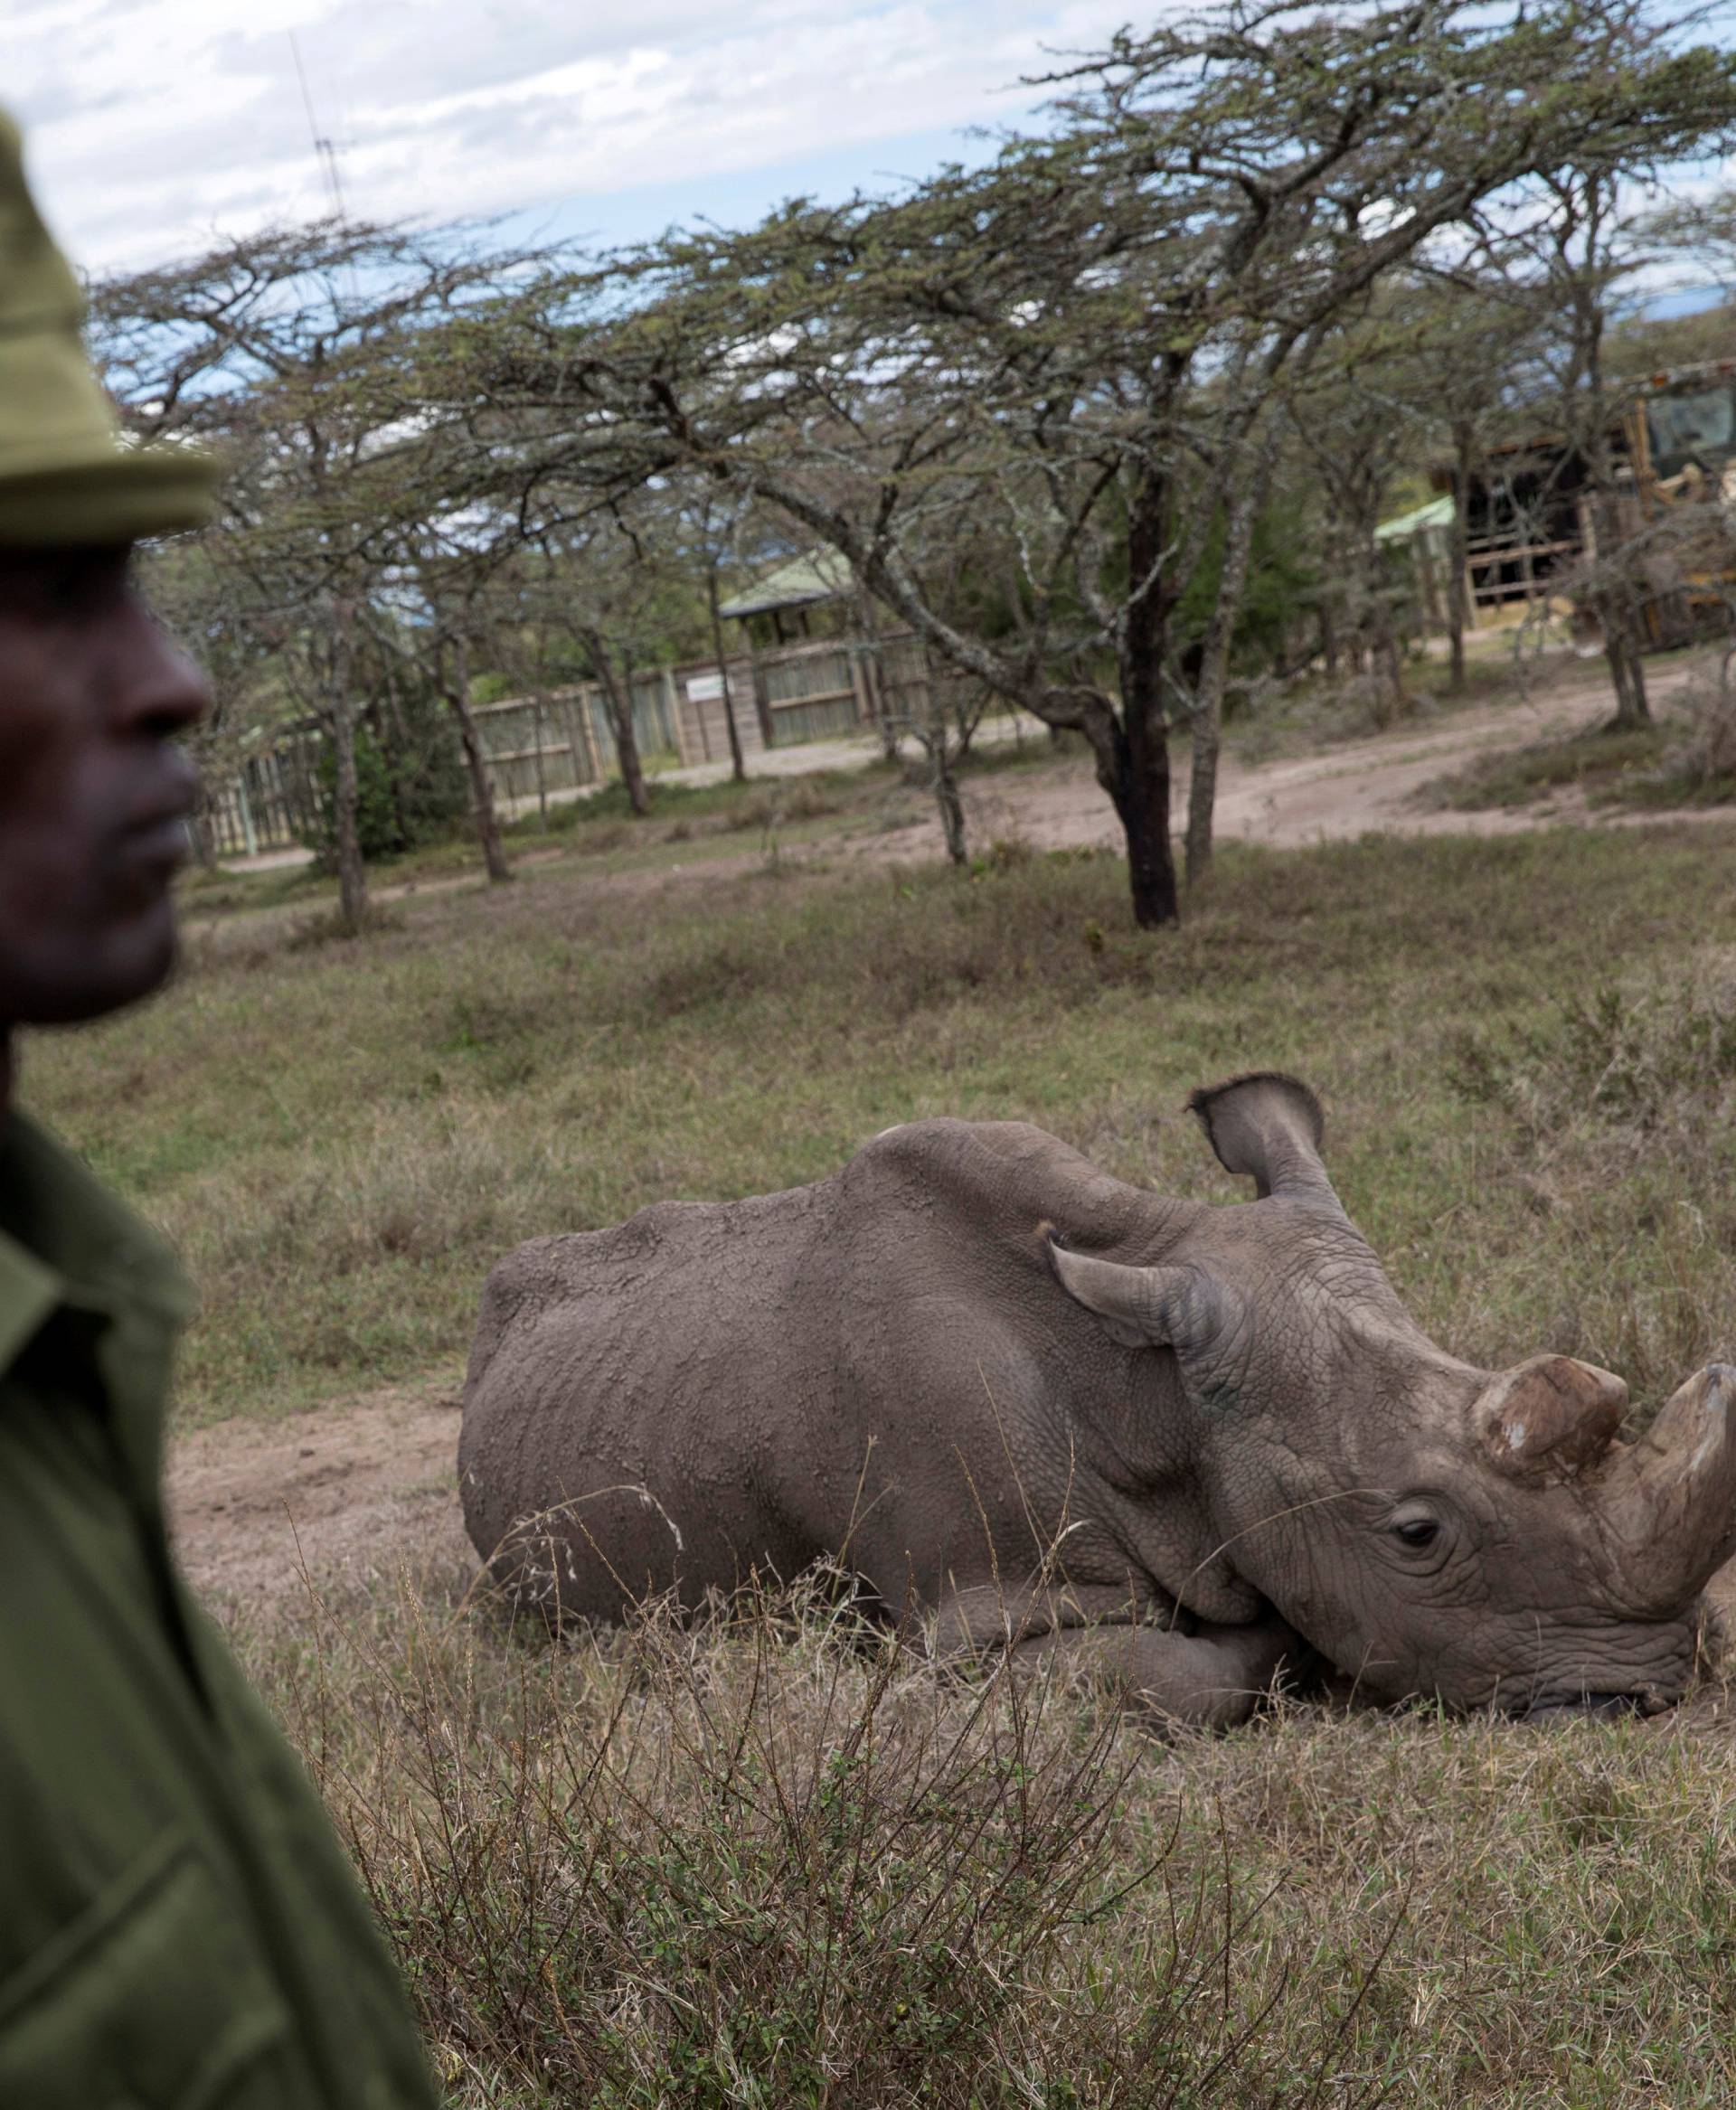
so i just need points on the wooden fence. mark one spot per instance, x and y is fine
(272, 802)
(556, 743)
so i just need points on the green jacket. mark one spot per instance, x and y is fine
(179, 1928)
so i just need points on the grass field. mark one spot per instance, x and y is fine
(775, 1862)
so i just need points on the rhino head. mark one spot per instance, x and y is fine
(1484, 1538)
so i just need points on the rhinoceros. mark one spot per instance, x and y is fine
(1040, 1409)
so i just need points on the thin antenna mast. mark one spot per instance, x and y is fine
(325, 149)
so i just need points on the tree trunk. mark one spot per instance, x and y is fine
(482, 793)
(627, 745)
(201, 835)
(874, 670)
(873, 673)
(1422, 558)
(946, 796)
(1617, 602)
(1329, 634)
(738, 768)
(1459, 608)
(537, 711)
(1395, 666)
(1214, 669)
(1385, 657)
(352, 873)
(1627, 668)
(619, 699)
(1138, 779)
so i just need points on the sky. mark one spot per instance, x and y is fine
(153, 124)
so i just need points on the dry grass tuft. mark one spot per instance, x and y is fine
(1652, 1066)
(769, 1859)
(1618, 1106)
(774, 1858)
(330, 926)
(778, 804)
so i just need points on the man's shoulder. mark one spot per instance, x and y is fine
(62, 1230)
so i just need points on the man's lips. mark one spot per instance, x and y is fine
(157, 843)
(152, 849)
(160, 807)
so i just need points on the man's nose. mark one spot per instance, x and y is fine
(163, 693)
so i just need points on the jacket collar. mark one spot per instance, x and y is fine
(65, 1239)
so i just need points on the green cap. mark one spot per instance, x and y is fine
(68, 473)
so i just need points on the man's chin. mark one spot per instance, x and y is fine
(69, 984)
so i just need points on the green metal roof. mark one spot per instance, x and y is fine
(820, 576)
(1437, 514)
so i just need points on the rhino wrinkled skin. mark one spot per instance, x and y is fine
(1047, 1410)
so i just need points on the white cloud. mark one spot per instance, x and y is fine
(154, 123)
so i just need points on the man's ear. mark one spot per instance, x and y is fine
(1180, 1308)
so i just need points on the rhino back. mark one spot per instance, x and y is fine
(879, 1366)
(636, 1380)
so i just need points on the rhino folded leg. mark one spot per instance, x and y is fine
(979, 1621)
(1211, 1679)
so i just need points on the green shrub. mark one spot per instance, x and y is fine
(433, 788)
(409, 788)
(377, 823)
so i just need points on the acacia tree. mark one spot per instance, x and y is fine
(1084, 335)
(1565, 250)
(611, 576)
(608, 628)
(197, 598)
(1696, 237)
(295, 351)
(1358, 422)
(448, 562)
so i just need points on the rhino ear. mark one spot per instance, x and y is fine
(1144, 1307)
(1268, 1125)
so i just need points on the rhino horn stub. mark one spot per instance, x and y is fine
(1142, 1307)
(1672, 1496)
(1551, 1414)
(1268, 1127)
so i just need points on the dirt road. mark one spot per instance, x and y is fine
(1364, 787)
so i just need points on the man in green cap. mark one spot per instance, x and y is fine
(178, 1925)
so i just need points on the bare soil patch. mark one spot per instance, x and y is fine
(343, 1496)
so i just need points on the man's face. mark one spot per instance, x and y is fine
(94, 794)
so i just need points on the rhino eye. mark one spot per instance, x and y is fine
(1417, 1531)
